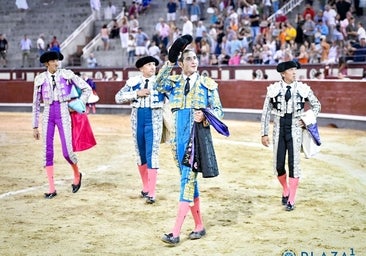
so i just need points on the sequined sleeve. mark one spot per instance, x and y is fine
(314, 103)
(215, 103)
(164, 83)
(125, 94)
(36, 105)
(266, 115)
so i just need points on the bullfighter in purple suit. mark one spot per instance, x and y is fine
(53, 86)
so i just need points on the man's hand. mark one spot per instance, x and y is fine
(178, 46)
(36, 134)
(265, 141)
(143, 93)
(198, 116)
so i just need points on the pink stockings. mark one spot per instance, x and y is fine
(182, 213)
(290, 189)
(50, 175)
(148, 178)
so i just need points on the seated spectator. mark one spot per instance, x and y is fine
(254, 75)
(115, 77)
(223, 57)
(213, 60)
(359, 52)
(318, 75)
(92, 61)
(266, 55)
(303, 56)
(361, 32)
(204, 59)
(235, 59)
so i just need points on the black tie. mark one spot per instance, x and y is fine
(288, 93)
(53, 82)
(146, 83)
(187, 87)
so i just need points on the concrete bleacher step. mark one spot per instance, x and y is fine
(116, 56)
(36, 20)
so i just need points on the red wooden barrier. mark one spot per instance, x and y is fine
(346, 97)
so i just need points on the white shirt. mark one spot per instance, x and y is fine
(95, 4)
(154, 51)
(109, 12)
(361, 33)
(55, 91)
(187, 28)
(192, 79)
(40, 44)
(330, 17)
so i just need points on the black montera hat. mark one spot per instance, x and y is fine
(144, 60)
(50, 55)
(178, 46)
(283, 66)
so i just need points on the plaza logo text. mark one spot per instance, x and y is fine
(350, 252)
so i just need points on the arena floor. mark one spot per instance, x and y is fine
(241, 207)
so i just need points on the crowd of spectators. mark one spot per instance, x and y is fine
(234, 32)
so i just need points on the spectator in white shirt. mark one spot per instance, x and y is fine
(95, 7)
(187, 26)
(154, 51)
(41, 46)
(25, 46)
(110, 11)
(361, 33)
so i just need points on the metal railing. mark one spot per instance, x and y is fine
(91, 46)
(76, 32)
(285, 9)
(69, 46)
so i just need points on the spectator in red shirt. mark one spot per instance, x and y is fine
(280, 17)
(308, 10)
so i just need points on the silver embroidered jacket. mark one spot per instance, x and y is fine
(275, 102)
(43, 90)
(205, 93)
(128, 93)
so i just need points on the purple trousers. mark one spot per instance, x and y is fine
(57, 115)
